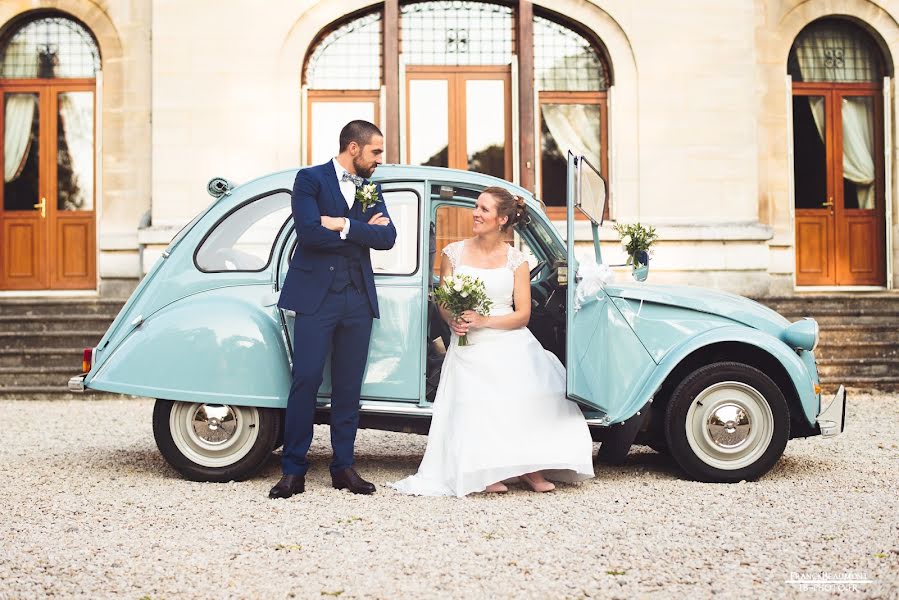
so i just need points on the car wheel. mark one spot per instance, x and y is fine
(215, 442)
(727, 422)
(660, 446)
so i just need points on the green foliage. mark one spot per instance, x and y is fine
(460, 293)
(636, 238)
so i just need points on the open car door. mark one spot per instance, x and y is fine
(605, 359)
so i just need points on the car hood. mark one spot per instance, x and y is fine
(730, 306)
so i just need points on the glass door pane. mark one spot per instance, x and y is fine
(564, 127)
(485, 126)
(859, 166)
(21, 152)
(326, 119)
(809, 153)
(75, 151)
(429, 122)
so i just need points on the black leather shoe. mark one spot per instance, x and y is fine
(288, 486)
(349, 479)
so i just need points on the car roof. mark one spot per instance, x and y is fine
(389, 172)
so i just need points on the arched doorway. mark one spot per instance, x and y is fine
(457, 91)
(838, 167)
(48, 66)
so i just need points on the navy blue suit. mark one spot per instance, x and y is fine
(331, 288)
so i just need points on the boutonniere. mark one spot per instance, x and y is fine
(367, 196)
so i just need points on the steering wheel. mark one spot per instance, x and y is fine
(537, 269)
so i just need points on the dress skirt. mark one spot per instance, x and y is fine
(500, 411)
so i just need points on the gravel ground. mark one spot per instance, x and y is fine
(89, 508)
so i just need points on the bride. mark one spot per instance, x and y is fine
(500, 409)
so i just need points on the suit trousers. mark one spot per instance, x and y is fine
(342, 327)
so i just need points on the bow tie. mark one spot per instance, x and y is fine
(347, 176)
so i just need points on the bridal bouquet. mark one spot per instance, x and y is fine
(461, 293)
(636, 240)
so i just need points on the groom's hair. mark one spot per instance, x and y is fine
(358, 131)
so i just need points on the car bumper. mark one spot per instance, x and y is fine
(832, 419)
(76, 384)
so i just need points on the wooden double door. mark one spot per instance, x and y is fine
(47, 200)
(839, 184)
(461, 118)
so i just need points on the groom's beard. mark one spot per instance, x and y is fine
(362, 170)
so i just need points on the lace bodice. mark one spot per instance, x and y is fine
(499, 281)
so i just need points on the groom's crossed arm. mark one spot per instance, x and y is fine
(376, 237)
(311, 232)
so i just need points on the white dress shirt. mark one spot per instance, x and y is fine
(348, 189)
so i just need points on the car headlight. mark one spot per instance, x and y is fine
(802, 335)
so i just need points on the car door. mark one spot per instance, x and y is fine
(605, 359)
(393, 371)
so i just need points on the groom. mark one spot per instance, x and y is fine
(331, 288)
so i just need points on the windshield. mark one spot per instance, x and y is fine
(549, 240)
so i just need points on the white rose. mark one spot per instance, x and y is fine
(465, 294)
(457, 286)
(625, 240)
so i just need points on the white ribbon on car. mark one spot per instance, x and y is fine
(591, 278)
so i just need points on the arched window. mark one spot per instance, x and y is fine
(343, 78)
(456, 33)
(572, 81)
(457, 93)
(50, 47)
(834, 51)
(838, 153)
(48, 67)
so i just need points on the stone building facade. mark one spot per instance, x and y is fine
(757, 136)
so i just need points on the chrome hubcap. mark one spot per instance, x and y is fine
(729, 425)
(214, 435)
(214, 424)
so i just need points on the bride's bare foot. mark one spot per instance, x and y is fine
(537, 482)
(496, 488)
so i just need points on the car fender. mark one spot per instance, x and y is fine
(222, 346)
(801, 379)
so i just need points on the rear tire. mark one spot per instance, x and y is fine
(215, 442)
(727, 422)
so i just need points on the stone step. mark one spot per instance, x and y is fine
(46, 323)
(45, 392)
(26, 340)
(857, 349)
(37, 376)
(881, 384)
(833, 334)
(808, 304)
(16, 357)
(60, 306)
(834, 368)
(865, 320)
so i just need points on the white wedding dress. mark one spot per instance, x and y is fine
(500, 409)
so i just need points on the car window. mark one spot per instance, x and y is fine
(243, 239)
(402, 259)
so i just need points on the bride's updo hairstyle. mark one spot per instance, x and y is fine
(509, 205)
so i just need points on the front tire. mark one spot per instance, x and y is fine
(727, 422)
(215, 442)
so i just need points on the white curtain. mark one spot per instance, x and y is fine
(818, 62)
(20, 109)
(858, 142)
(76, 111)
(575, 127)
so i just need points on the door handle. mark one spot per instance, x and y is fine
(43, 206)
(829, 202)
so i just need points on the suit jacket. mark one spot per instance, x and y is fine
(317, 193)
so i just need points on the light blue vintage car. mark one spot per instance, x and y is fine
(716, 380)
